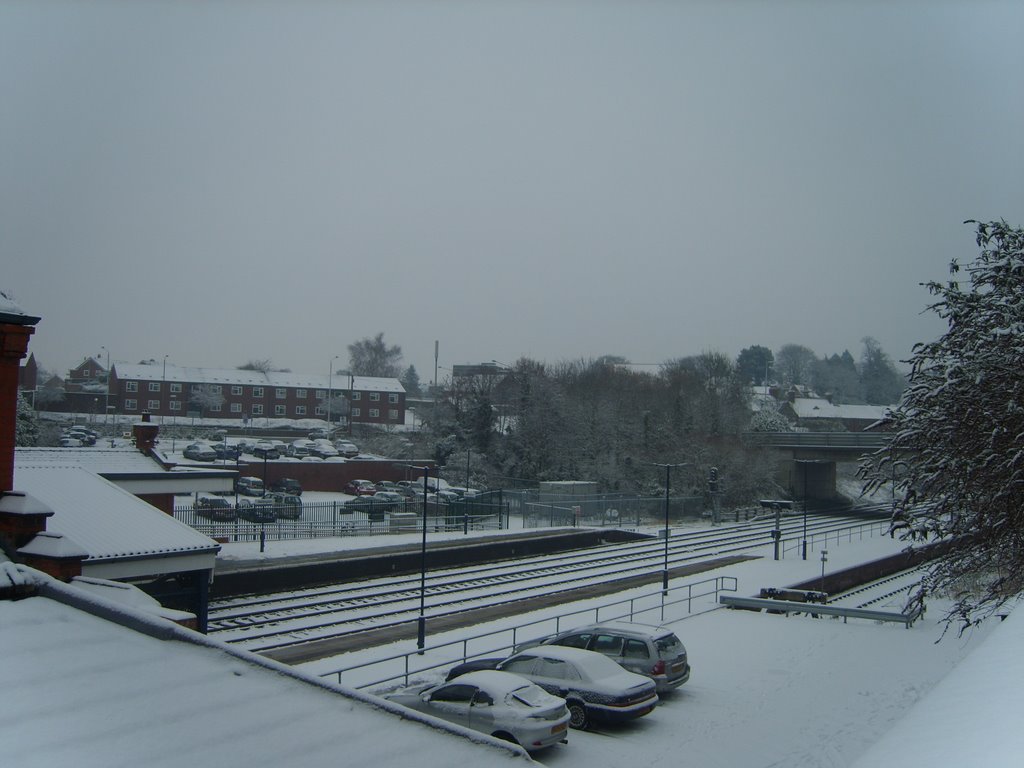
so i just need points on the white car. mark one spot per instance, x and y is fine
(496, 703)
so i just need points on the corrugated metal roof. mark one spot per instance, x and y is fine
(188, 375)
(109, 523)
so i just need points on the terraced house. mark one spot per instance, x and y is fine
(228, 393)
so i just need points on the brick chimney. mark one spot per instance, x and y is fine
(145, 433)
(21, 518)
(54, 554)
(15, 329)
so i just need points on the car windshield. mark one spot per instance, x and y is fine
(669, 647)
(529, 696)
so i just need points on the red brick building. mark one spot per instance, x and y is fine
(227, 393)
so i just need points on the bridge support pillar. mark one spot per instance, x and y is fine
(812, 479)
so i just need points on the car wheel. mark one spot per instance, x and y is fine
(505, 736)
(577, 715)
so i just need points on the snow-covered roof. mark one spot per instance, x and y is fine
(820, 408)
(227, 376)
(108, 522)
(89, 682)
(102, 461)
(10, 312)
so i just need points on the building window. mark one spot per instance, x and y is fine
(320, 411)
(257, 392)
(215, 408)
(393, 414)
(215, 389)
(154, 405)
(374, 413)
(300, 393)
(236, 389)
(131, 386)
(355, 413)
(129, 405)
(175, 405)
(236, 407)
(154, 386)
(392, 398)
(279, 410)
(175, 387)
(280, 393)
(321, 394)
(357, 395)
(374, 396)
(300, 410)
(257, 410)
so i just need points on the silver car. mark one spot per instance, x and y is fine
(645, 649)
(594, 687)
(496, 703)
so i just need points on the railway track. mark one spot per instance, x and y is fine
(269, 622)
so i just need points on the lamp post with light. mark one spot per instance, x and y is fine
(664, 573)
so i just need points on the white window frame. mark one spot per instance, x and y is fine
(356, 413)
(131, 386)
(375, 397)
(175, 405)
(393, 397)
(153, 405)
(257, 409)
(130, 404)
(236, 407)
(175, 387)
(357, 395)
(279, 410)
(300, 393)
(393, 414)
(300, 410)
(321, 394)
(320, 411)
(280, 393)
(154, 386)
(375, 413)
(236, 389)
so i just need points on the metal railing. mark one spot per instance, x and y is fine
(820, 609)
(821, 539)
(458, 651)
(331, 518)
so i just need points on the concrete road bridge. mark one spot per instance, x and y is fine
(810, 473)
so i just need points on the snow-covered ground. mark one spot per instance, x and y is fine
(766, 690)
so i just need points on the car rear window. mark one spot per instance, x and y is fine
(528, 695)
(669, 646)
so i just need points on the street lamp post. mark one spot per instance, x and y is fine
(421, 625)
(664, 573)
(351, 388)
(330, 390)
(106, 405)
(163, 386)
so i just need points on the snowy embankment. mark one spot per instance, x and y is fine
(771, 690)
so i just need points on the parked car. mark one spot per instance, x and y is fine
(257, 510)
(199, 452)
(226, 452)
(286, 505)
(323, 449)
(286, 485)
(374, 508)
(496, 703)
(320, 434)
(388, 500)
(359, 488)
(346, 449)
(299, 449)
(264, 449)
(645, 649)
(214, 508)
(594, 687)
(249, 486)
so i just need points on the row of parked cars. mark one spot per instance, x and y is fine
(610, 672)
(78, 436)
(321, 448)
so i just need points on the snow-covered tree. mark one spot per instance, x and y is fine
(373, 357)
(26, 428)
(958, 435)
(411, 381)
(205, 397)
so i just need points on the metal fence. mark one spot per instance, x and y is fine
(402, 667)
(334, 518)
(603, 509)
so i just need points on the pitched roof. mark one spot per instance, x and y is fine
(182, 374)
(820, 408)
(108, 522)
(90, 682)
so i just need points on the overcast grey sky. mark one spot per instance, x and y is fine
(222, 181)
